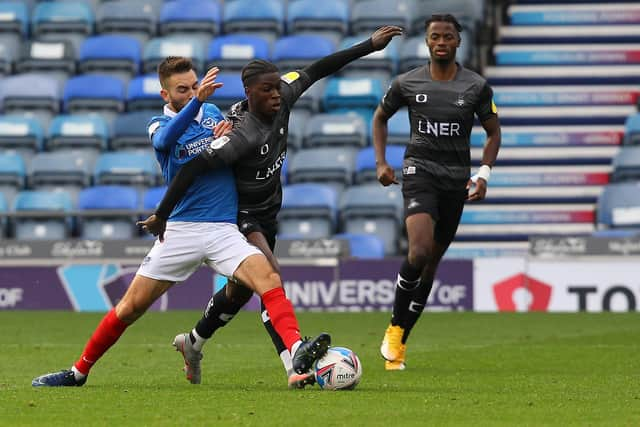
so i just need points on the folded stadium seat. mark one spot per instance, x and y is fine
(308, 211)
(13, 175)
(56, 58)
(365, 171)
(619, 206)
(127, 168)
(373, 209)
(368, 16)
(230, 93)
(181, 16)
(152, 197)
(49, 221)
(158, 48)
(89, 132)
(15, 18)
(134, 18)
(130, 130)
(297, 51)
(116, 55)
(333, 166)
(94, 93)
(265, 16)
(231, 52)
(327, 16)
(335, 130)
(399, 128)
(381, 64)
(626, 165)
(311, 99)
(109, 212)
(297, 125)
(21, 134)
(632, 130)
(69, 171)
(62, 17)
(30, 92)
(367, 246)
(143, 94)
(9, 52)
(352, 93)
(414, 53)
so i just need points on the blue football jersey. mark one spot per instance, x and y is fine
(212, 197)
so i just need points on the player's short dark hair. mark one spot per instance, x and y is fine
(173, 65)
(443, 17)
(256, 68)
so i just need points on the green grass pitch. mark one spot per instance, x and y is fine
(463, 369)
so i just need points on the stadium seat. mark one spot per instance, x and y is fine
(12, 174)
(181, 16)
(9, 52)
(399, 128)
(626, 165)
(47, 57)
(62, 17)
(265, 16)
(366, 246)
(414, 53)
(15, 18)
(328, 16)
(345, 92)
(381, 64)
(632, 130)
(368, 16)
(231, 52)
(54, 226)
(94, 93)
(365, 171)
(29, 92)
(297, 51)
(619, 206)
(297, 125)
(467, 12)
(126, 168)
(158, 48)
(110, 212)
(130, 131)
(110, 54)
(230, 93)
(143, 94)
(334, 129)
(68, 171)
(152, 198)
(373, 209)
(308, 211)
(20, 133)
(135, 18)
(333, 166)
(81, 132)
(311, 99)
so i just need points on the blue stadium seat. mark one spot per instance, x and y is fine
(20, 133)
(297, 125)
(9, 52)
(135, 18)
(373, 209)
(181, 16)
(47, 57)
(126, 168)
(12, 174)
(366, 246)
(352, 93)
(29, 92)
(82, 132)
(297, 51)
(56, 226)
(632, 130)
(626, 164)
(382, 64)
(334, 166)
(265, 16)
(94, 93)
(62, 17)
(231, 52)
(15, 18)
(116, 208)
(414, 53)
(110, 54)
(68, 171)
(158, 48)
(330, 16)
(368, 16)
(334, 129)
(230, 93)
(130, 131)
(311, 99)
(619, 206)
(399, 128)
(308, 211)
(152, 197)
(143, 94)
(365, 171)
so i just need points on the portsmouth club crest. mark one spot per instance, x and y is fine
(460, 101)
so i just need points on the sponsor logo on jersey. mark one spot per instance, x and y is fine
(421, 98)
(218, 143)
(192, 148)
(273, 169)
(409, 170)
(460, 101)
(434, 128)
(413, 203)
(208, 123)
(291, 77)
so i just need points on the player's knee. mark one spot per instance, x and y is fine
(419, 256)
(273, 281)
(237, 293)
(128, 311)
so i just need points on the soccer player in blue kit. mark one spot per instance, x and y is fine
(202, 229)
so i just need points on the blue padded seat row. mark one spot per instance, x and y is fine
(297, 51)
(30, 91)
(382, 61)
(27, 228)
(12, 170)
(308, 210)
(20, 133)
(366, 246)
(130, 131)
(232, 51)
(126, 168)
(152, 197)
(109, 53)
(51, 16)
(143, 94)
(15, 18)
(47, 56)
(10, 46)
(314, 16)
(116, 225)
(93, 93)
(231, 92)
(334, 129)
(350, 92)
(126, 17)
(332, 165)
(158, 48)
(61, 168)
(249, 15)
(86, 131)
(619, 206)
(368, 16)
(182, 16)
(365, 170)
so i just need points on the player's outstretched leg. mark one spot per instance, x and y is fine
(310, 350)
(191, 356)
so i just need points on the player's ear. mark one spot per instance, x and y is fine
(164, 94)
(247, 91)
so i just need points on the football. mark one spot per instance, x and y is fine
(339, 369)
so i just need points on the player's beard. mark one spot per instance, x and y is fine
(176, 107)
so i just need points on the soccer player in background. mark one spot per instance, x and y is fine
(255, 149)
(442, 97)
(202, 229)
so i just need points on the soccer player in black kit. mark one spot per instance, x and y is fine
(442, 98)
(255, 149)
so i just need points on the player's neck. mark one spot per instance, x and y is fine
(443, 71)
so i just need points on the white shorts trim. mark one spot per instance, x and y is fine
(187, 245)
